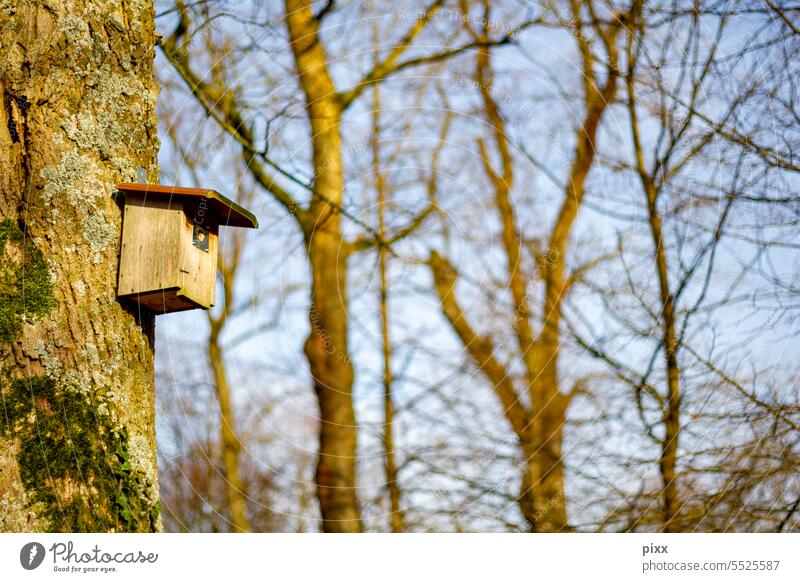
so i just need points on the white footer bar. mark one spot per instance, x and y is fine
(415, 557)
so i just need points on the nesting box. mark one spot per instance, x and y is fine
(168, 259)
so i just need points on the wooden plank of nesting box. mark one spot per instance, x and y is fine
(151, 245)
(198, 268)
(166, 301)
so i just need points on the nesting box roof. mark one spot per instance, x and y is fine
(225, 210)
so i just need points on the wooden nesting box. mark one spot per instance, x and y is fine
(168, 259)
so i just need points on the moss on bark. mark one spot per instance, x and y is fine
(74, 459)
(26, 291)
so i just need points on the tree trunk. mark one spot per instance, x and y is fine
(229, 441)
(332, 373)
(543, 500)
(77, 441)
(396, 519)
(548, 404)
(672, 422)
(668, 460)
(326, 347)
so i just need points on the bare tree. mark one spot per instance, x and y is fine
(392, 483)
(539, 426)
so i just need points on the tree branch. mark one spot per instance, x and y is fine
(221, 106)
(480, 349)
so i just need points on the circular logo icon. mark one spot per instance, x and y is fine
(31, 555)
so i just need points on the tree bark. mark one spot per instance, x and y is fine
(77, 441)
